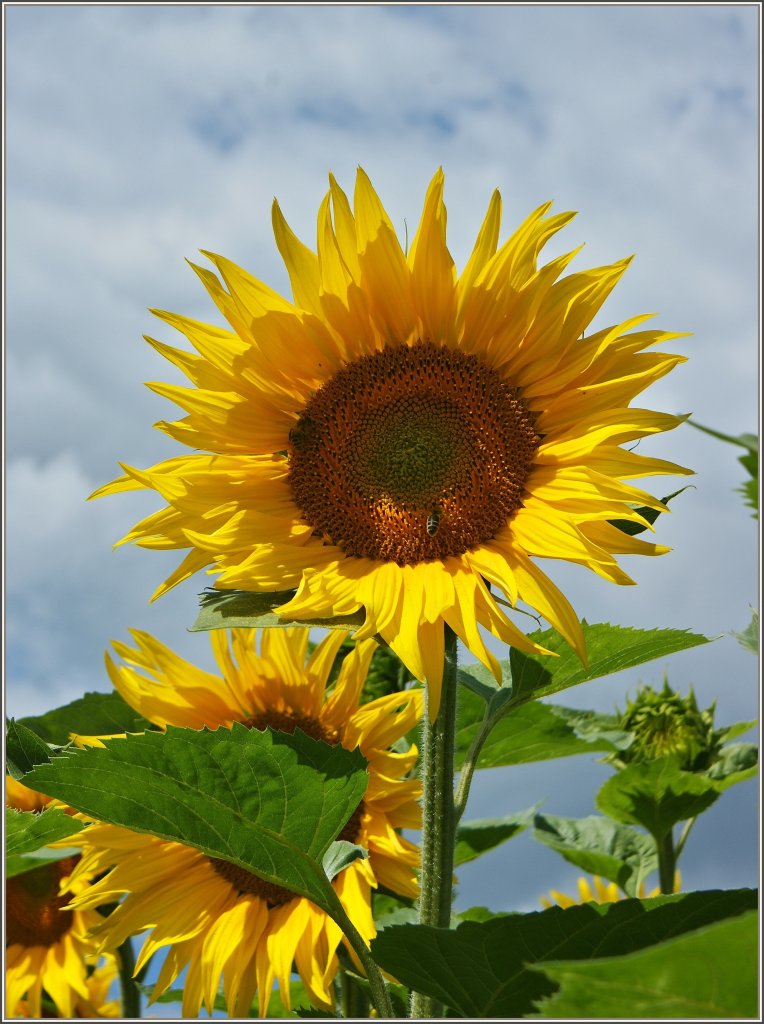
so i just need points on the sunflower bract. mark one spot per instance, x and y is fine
(402, 438)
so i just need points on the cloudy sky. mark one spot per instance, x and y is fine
(137, 135)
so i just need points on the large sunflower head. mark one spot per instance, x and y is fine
(401, 437)
(215, 918)
(52, 965)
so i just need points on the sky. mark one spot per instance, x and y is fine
(137, 135)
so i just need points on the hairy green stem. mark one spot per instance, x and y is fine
(666, 863)
(438, 814)
(131, 996)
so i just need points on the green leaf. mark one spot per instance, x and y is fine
(650, 514)
(19, 864)
(340, 855)
(656, 794)
(712, 972)
(269, 802)
(235, 609)
(600, 847)
(609, 649)
(534, 732)
(94, 714)
(476, 914)
(26, 831)
(23, 750)
(481, 682)
(734, 763)
(749, 441)
(484, 969)
(749, 637)
(479, 836)
(749, 461)
(731, 732)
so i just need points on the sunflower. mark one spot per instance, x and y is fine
(49, 956)
(598, 891)
(216, 918)
(402, 438)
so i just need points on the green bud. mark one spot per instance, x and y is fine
(665, 723)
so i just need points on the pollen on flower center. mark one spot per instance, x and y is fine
(411, 454)
(33, 905)
(288, 721)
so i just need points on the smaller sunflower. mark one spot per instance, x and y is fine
(215, 918)
(49, 955)
(598, 891)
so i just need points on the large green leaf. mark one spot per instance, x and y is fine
(656, 794)
(533, 732)
(235, 609)
(94, 714)
(268, 801)
(601, 847)
(609, 649)
(712, 972)
(485, 969)
(479, 836)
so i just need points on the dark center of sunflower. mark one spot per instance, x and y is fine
(243, 881)
(411, 454)
(33, 907)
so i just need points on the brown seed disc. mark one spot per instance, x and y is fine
(288, 721)
(411, 454)
(245, 883)
(33, 907)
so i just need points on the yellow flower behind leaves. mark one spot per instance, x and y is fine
(401, 437)
(50, 957)
(215, 918)
(598, 891)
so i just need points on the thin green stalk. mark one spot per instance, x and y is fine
(438, 815)
(683, 838)
(377, 987)
(131, 996)
(666, 863)
(470, 763)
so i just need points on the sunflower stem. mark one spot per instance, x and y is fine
(131, 996)
(666, 863)
(469, 765)
(377, 988)
(683, 838)
(438, 814)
